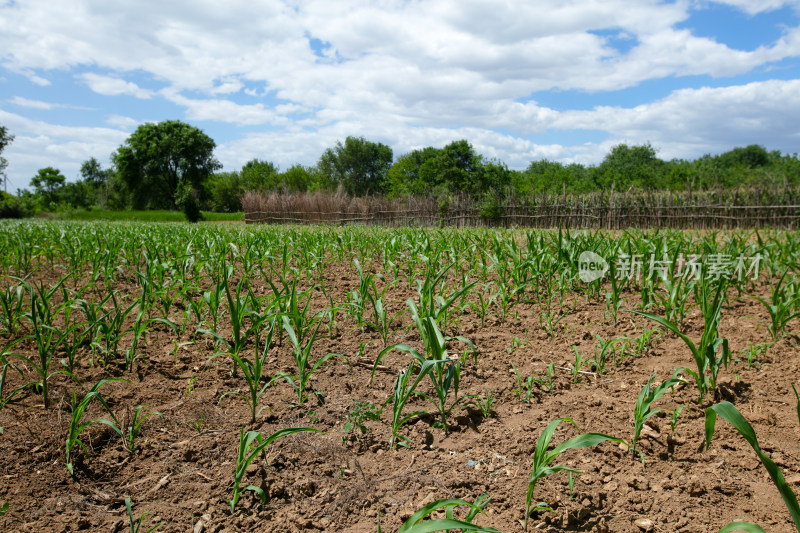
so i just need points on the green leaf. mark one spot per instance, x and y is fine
(727, 411)
(747, 527)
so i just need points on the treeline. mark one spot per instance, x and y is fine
(170, 165)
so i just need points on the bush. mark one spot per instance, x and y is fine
(11, 207)
(189, 202)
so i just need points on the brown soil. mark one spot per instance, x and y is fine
(340, 481)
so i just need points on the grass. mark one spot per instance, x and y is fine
(159, 215)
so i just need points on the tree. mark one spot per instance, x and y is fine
(47, 182)
(158, 160)
(5, 139)
(257, 175)
(360, 166)
(457, 167)
(630, 166)
(92, 173)
(403, 177)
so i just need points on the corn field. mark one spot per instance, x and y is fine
(365, 378)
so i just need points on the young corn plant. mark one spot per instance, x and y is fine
(782, 307)
(12, 305)
(481, 403)
(712, 353)
(301, 353)
(446, 373)
(524, 389)
(416, 523)
(642, 411)
(77, 425)
(136, 525)
(135, 426)
(254, 372)
(727, 411)
(542, 458)
(251, 444)
(404, 388)
(47, 341)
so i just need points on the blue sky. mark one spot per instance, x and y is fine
(283, 80)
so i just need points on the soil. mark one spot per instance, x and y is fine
(181, 473)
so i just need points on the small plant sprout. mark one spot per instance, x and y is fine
(251, 444)
(675, 414)
(359, 413)
(524, 389)
(542, 458)
(576, 368)
(135, 427)
(198, 424)
(77, 425)
(416, 523)
(642, 411)
(727, 411)
(483, 404)
(796, 395)
(135, 525)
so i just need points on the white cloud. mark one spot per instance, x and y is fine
(122, 122)
(40, 144)
(46, 106)
(112, 86)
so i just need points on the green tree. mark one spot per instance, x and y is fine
(158, 160)
(403, 177)
(5, 139)
(257, 175)
(751, 156)
(298, 178)
(457, 167)
(92, 173)
(630, 166)
(47, 183)
(360, 166)
(224, 192)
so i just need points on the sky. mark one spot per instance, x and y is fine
(563, 80)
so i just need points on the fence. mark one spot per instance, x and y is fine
(752, 208)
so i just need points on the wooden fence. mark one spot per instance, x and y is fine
(707, 210)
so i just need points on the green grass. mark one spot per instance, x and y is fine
(145, 216)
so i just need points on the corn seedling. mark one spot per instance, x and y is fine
(47, 341)
(416, 523)
(674, 415)
(727, 411)
(542, 458)
(301, 355)
(135, 427)
(135, 525)
(604, 351)
(707, 359)
(12, 301)
(251, 444)
(197, 425)
(781, 307)
(404, 388)
(524, 389)
(254, 372)
(576, 368)
(77, 425)
(796, 395)
(642, 411)
(481, 403)
(446, 374)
